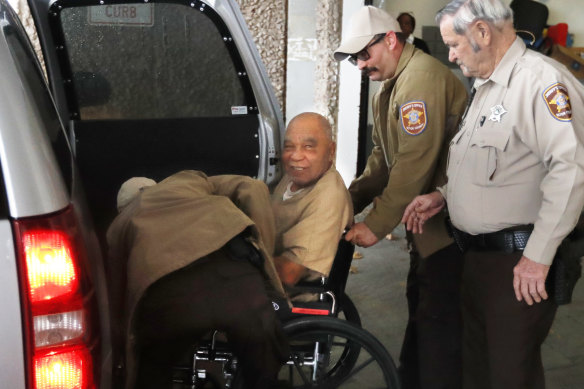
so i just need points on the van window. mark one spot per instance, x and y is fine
(153, 60)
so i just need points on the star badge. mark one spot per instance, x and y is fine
(496, 112)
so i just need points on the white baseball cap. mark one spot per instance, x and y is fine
(365, 24)
(130, 189)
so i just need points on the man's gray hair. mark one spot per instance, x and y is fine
(325, 125)
(466, 12)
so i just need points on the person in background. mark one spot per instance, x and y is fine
(407, 22)
(515, 190)
(416, 112)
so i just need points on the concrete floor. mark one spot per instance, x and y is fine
(378, 290)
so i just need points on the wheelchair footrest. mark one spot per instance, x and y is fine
(206, 353)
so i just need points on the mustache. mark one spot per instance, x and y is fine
(367, 71)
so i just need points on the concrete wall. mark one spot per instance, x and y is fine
(269, 34)
(348, 122)
(312, 74)
(301, 58)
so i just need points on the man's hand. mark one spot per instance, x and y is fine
(361, 235)
(529, 280)
(421, 209)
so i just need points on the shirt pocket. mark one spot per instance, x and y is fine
(488, 147)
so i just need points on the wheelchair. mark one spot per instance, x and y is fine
(328, 346)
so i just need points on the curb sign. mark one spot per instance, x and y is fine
(139, 15)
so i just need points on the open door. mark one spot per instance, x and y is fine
(154, 87)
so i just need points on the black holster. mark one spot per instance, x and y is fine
(566, 268)
(240, 249)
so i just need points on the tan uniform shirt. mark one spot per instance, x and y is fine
(416, 113)
(517, 159)
(309, 225)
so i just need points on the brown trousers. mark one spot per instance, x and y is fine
(502, 336)
(431, 356)
(215, 292)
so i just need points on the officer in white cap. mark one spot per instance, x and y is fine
(416, 112)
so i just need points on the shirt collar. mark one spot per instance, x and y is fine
(502, 73)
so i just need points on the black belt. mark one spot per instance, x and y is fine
(507, 241)
(240, 249)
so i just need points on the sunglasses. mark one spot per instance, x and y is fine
(363, 55)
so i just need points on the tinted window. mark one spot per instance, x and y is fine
(155, 60)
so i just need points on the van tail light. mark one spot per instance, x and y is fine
(60, 315)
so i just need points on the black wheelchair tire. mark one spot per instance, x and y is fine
(350, 354)
(317, 327)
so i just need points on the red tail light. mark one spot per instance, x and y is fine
(67, 369)
(59, 303)
(50, 264)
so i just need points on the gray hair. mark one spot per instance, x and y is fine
(466, 12)
(325, 125)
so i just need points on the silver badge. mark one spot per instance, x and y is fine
(496, 112)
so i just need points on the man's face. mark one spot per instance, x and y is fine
(381, 65)
(308, 152)
(405, 22)
(463, 51)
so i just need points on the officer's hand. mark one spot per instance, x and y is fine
(529, 280)
(421, 209)
(361, 235)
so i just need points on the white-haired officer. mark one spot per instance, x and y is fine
(515, 190)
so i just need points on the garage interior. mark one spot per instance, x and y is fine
(377, 283)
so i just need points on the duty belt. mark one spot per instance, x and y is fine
(507, 241)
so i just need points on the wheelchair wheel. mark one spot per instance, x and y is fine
(346, 361)
(317, 348)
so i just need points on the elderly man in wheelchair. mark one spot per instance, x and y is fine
(201, 302)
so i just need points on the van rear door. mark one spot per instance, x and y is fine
(150, 88)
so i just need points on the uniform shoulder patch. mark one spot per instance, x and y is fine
(558, 102)
(414, 117)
